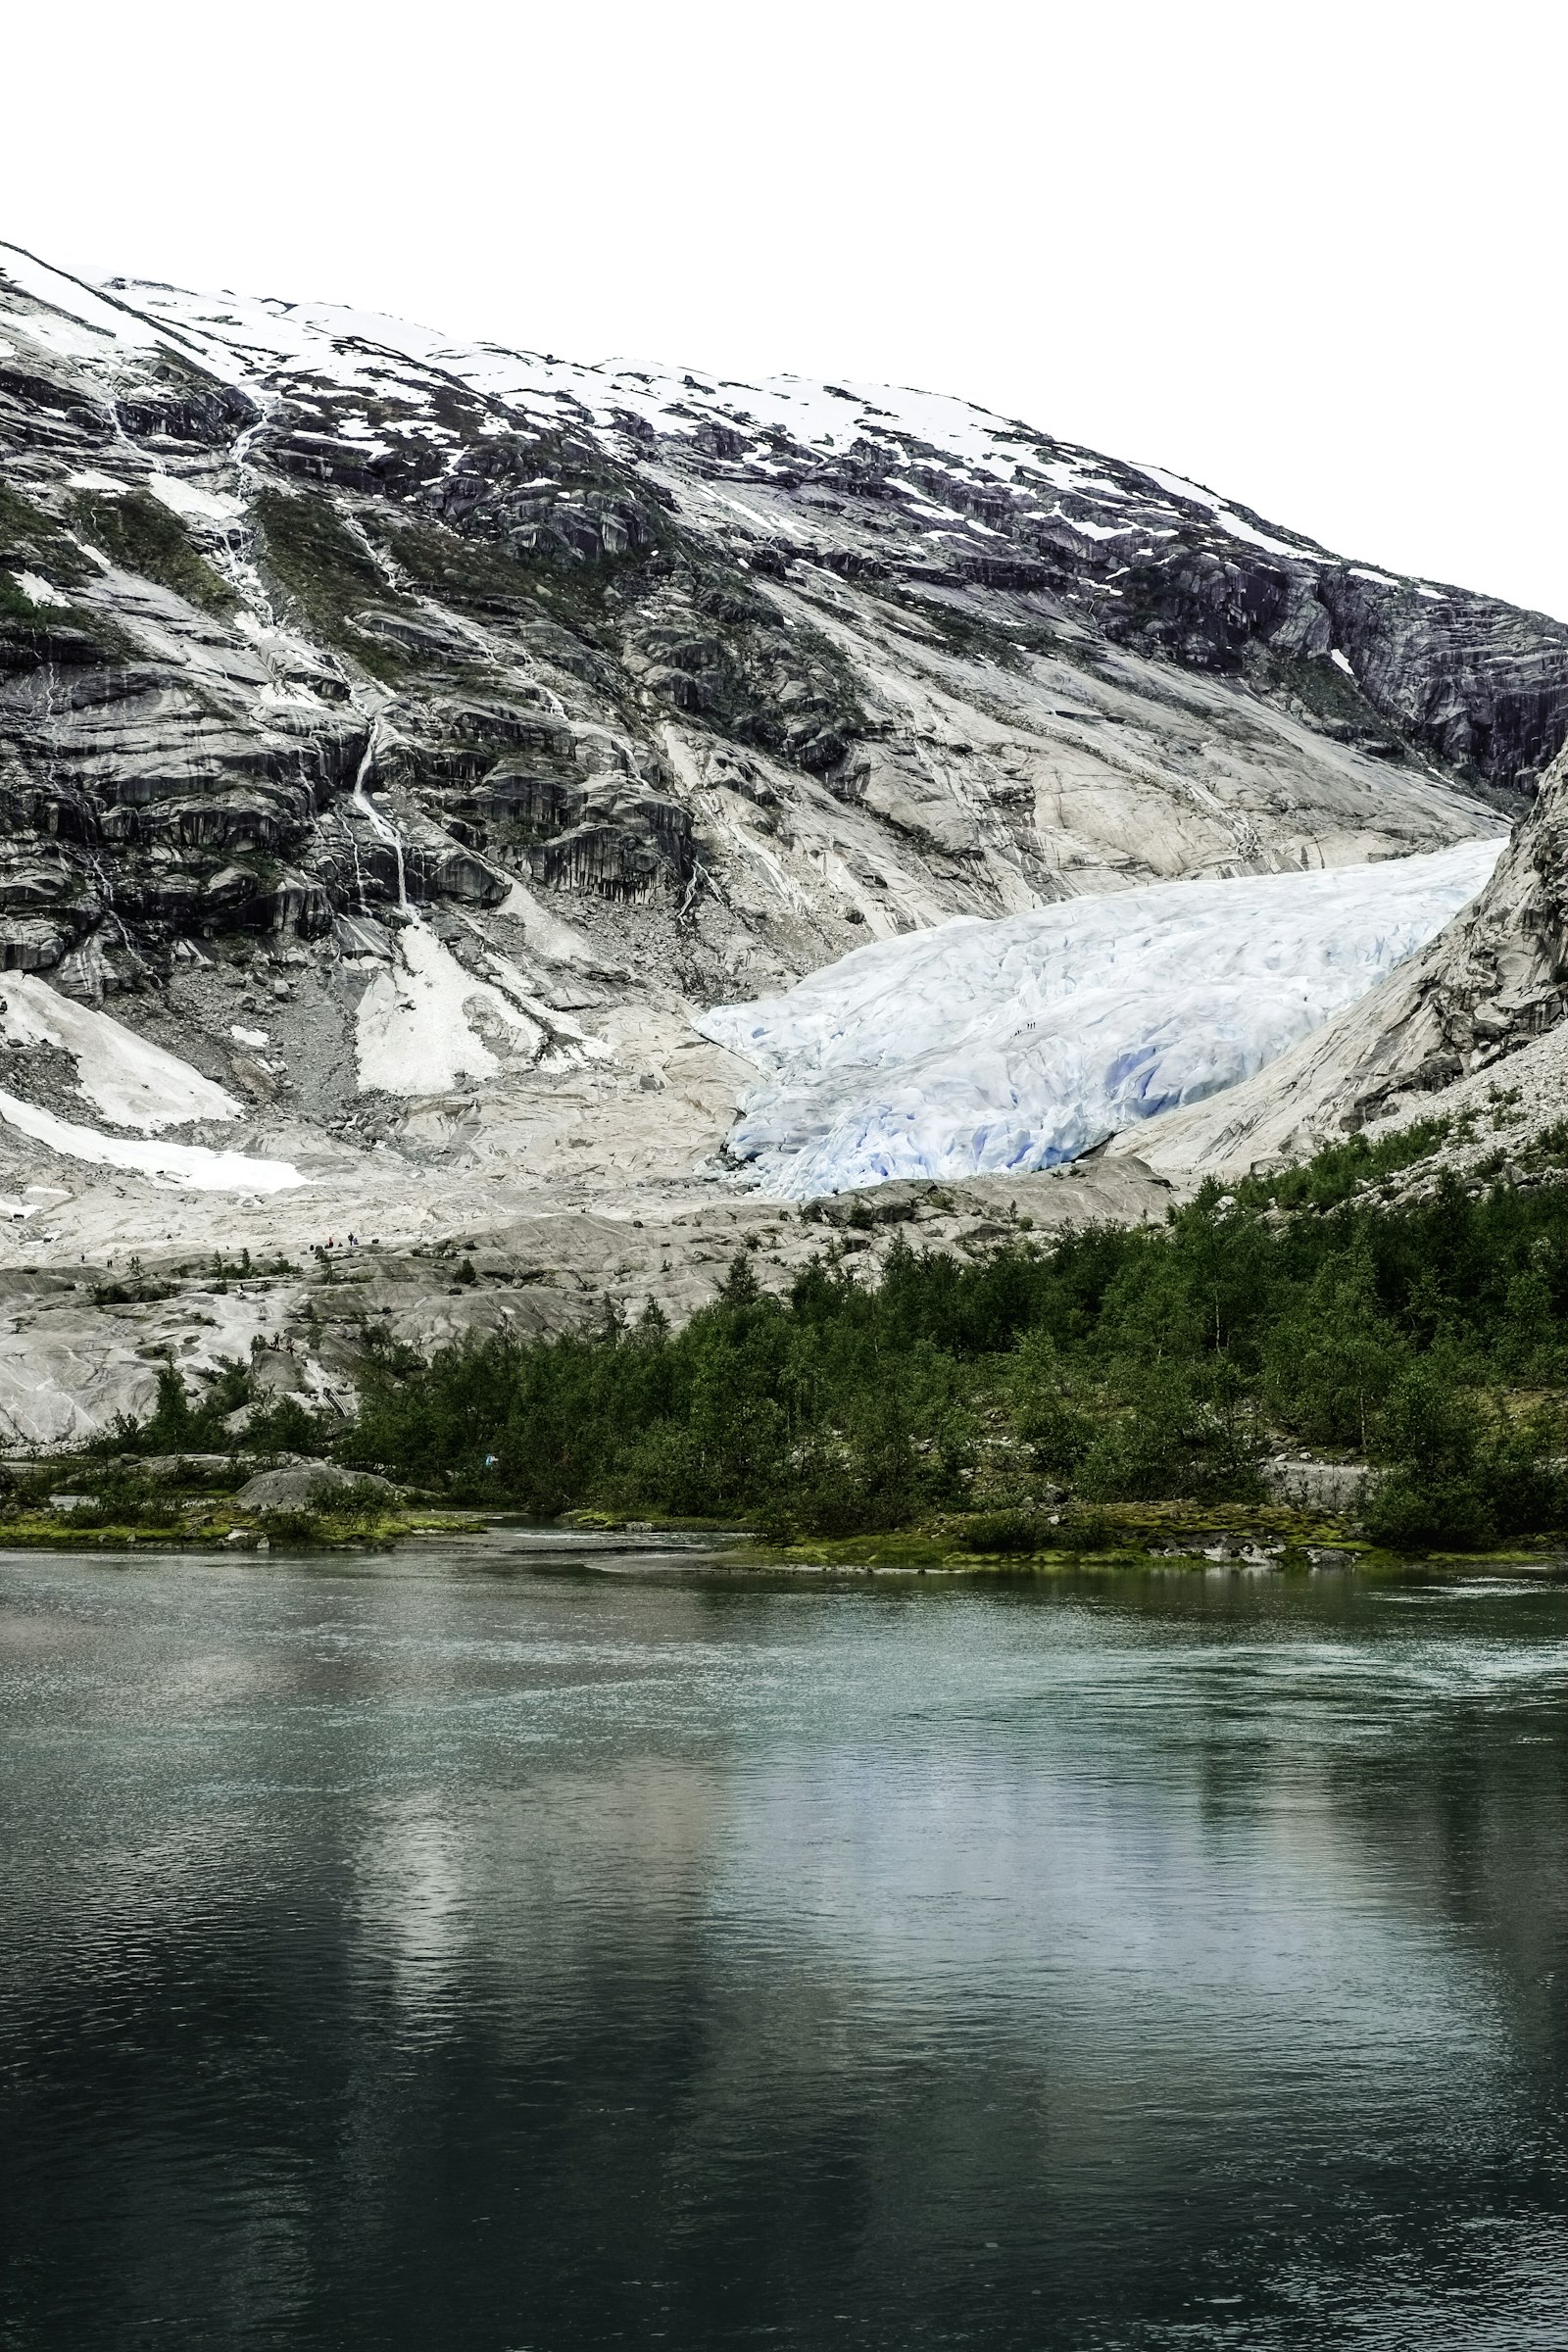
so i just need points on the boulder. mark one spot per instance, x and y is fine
(1338, 1486)
(306, 1485)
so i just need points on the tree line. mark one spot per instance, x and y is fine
(1113, 1364)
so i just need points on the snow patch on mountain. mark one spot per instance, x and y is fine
(39, 591)
(423, 1024)
(987, 1047)
(190, 501)
(72, 307)
(191, 1167)
(129, 1080)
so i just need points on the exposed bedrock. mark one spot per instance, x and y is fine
(412, 738)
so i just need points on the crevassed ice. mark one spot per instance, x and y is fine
(985, 1047)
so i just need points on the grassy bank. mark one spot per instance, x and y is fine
(87, 1505)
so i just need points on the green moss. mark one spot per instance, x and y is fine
(221, 1529)
(311, 552)
(1129, 1535)
(466, 573)
(141, 535)
(194, 1504)
(66, 1532)
(32, 541)
(350, 1521)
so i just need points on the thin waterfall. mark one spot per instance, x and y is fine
(381, 826)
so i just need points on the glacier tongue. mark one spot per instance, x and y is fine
(984, 1047)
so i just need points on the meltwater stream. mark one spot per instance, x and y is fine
(430, 1952)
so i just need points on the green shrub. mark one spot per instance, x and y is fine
(1084, 1531)
(1331, 1355)
(1170, 1443)
(1050, 1420)
(1460, 1473)
(176, 1425)
(1006, 1531)
(283, 1427)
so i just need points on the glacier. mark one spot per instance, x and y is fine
(987, 1047)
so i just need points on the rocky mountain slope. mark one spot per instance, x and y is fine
(404, 739)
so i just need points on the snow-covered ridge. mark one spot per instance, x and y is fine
(326, 343)
(982, 1047)
(318, 348)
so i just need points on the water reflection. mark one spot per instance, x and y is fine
(412, 1956)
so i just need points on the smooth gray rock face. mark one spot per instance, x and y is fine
(1338, 1486)
(1471, 1027)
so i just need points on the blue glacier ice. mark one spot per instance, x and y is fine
(983, 1047)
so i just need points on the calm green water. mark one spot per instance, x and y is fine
(431, 1953)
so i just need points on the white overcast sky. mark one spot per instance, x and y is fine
(1312, 255)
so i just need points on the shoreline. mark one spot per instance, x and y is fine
(639, 1552)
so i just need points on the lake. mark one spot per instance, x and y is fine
(487, 1948)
